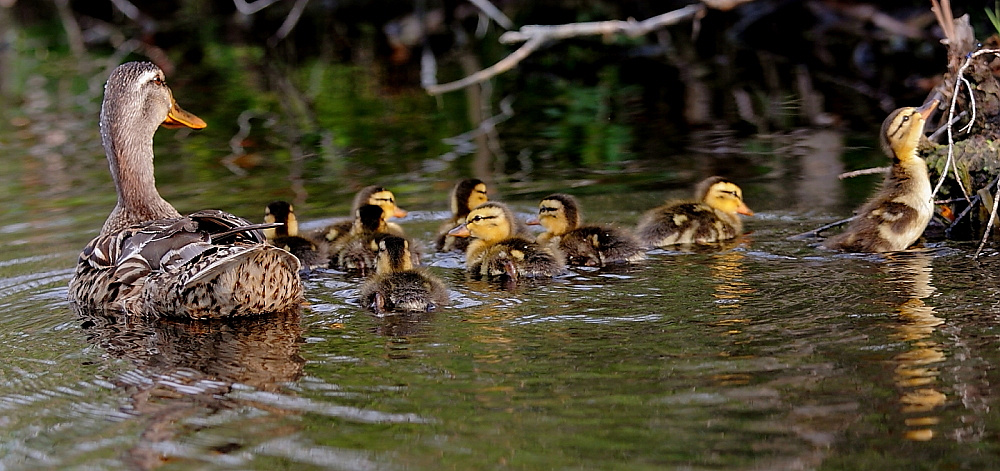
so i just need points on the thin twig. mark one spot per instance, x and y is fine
(494, 13)
(864, 171)
(989, 223)
(534, 36)
(816, 232)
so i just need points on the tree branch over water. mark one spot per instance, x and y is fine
(534, 36)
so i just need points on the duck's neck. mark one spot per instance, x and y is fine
(130, 156)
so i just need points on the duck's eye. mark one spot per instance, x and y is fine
(906, 118)
(158, 81)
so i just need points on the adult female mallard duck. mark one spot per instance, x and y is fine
(287, 235)
(150, 260)
(590, 245)
(496, 252)
(713, 216)
(896, 216)
(335, 233)
(466, 194)
(397, 285)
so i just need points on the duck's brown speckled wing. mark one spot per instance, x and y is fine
(685, 223)
(165, 262)
(885, 227)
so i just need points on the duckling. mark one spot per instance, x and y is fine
(149, 260)
(896, 216)
(287, 235)
(375, 195)
(397, 285)
(590, 245)
(356, 252)
(496, 252)
(712, 217)
(466, 194)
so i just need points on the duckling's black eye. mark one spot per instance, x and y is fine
(158, 81)
(906, 118)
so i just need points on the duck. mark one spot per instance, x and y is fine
(286, 235)
(357, 251)
(333, 234)
(399, 286)
(497, 252)
(711, 217)
(896, 216)
(465, 195)
(589, 245)
(148, 259)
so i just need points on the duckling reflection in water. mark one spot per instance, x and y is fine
(712, 217)
(287, 235)
(589, 245)
(896, 216)
(915, 374)
(496, 252)
(397, 285)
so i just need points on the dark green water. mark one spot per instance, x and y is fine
(768, 355)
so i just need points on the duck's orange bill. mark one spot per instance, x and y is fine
(178, 118)
(744, 210)
(400, 213)
(928, 108)
(460, 231)
(533, 222)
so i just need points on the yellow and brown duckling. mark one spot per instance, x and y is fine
(287, 235)
(712, 217)
(375, 195)
(496, 251)
(148, 259)
(356, 252)
(399, 286)
(896, 216)
(466, 194)
(589, 245)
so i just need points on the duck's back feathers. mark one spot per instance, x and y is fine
(686, 223)
(208, 264)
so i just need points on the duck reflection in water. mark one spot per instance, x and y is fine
(915, 375)
(186, 369)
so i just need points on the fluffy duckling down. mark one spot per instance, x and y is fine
(589, 245)
(335, 234)
(287, 236)
(397, 285)
(465, 195)
(713, 216)
(896, 216)
(495, 250)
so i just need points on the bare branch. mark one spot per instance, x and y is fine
(534, 36)
(494, 13)
(290, 21)
(629, 27)
(864, 171)
(503, 65)
(250, 8)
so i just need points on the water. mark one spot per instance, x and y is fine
(768, 355)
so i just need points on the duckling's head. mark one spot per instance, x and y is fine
(722, 194)
(380, 196)
(467, 194)
(902, 129)
(490, 222)
(369, 218)
(558, 213)
(281, 212)
(393, 255)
